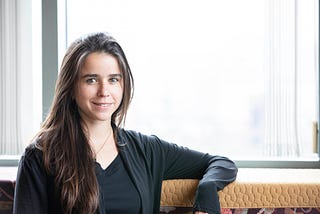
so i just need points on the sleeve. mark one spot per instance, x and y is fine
(214, 172)
(30, 190)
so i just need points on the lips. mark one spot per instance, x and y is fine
(102, 104)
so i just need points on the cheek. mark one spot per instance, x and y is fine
(81, 94)
(118, 92)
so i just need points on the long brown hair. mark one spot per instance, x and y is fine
(66, 151)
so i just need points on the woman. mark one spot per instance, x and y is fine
(82, 161)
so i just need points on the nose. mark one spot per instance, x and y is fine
(103, 90)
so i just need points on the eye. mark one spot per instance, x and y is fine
(114, 79)
(91, 80)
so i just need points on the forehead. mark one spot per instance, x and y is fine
(100, 62)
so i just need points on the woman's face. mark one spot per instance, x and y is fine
(99, 88)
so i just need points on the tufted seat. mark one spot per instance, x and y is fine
(254, 188)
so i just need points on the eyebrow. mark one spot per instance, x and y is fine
(96, 75)
(89, 75)
(115, 75)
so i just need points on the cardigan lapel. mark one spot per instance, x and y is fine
(137, 173)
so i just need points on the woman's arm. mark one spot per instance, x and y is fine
(30, 190)
(214, 172)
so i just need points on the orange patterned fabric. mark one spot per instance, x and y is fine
(188, 210)
(254, 188)
(256, 191)
(6, 196)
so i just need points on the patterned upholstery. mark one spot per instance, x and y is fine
(6, 196)
(254, 188)
(237, 198)
(188, 210)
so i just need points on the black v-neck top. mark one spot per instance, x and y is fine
(117, 192)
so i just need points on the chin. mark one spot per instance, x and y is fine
(103, 118)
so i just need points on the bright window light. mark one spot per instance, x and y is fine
(236, 78)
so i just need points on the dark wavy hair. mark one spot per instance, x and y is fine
(66, 151)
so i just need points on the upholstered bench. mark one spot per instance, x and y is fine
(7, 182)
(6, 196)
(254, 191)
(278, 191)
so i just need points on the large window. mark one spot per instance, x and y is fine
(238, 78)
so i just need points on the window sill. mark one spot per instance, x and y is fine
(9, 160)
(8, 173)
(258, 162)
(311, 163)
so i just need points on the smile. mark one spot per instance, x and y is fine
(103, 104)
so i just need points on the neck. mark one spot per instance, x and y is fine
(98, 132)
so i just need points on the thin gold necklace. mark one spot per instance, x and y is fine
(104, 143)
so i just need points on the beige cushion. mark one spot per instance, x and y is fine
(254, 188)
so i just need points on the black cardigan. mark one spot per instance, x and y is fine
(148, 160)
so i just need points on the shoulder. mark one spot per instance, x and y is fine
(32, 150)
(131, 136)
(148, 143)
(137, 138)
(32, 156)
